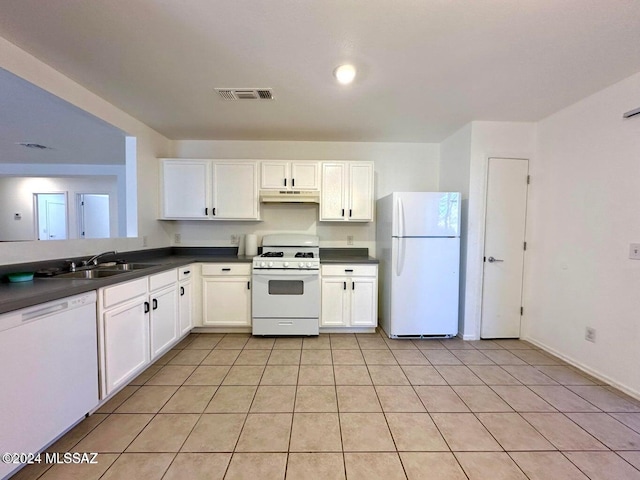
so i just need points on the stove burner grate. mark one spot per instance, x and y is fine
(304, 255)
(273, 254)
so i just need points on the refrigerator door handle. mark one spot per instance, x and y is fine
(400, 259)
(400, 218)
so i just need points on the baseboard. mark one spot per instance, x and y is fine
(468, 337)
(221, 330)
(347, 330)
(579, 365)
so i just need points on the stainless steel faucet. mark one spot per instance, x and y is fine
(94, 260)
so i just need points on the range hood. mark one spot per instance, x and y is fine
(289, 196)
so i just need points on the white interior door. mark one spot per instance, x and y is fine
(504, 247)
(94, 215)
(52, 216)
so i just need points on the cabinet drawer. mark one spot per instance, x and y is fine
(350, 270)
(163, 279)
(298, 326)
(226, 269)
(186, 273)
(122, 292)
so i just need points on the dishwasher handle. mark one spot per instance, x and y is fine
(42, 312)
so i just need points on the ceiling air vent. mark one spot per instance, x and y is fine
(245, 93)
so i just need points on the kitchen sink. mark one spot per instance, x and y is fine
(125, 267)
(87, 274)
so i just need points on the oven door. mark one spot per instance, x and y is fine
(286, 294)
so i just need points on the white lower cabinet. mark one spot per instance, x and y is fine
(137, 322)
(163, 320)
(226, 295)
(125, 349)
(185, 299)
(349, 296)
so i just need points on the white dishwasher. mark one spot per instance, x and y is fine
(48, 372)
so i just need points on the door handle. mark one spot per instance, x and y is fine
(155, 304)
(181, 291)
(493, 260)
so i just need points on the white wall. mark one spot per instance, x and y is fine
(16, 196)
(398, 166)
(488, 139)
(454, 173)
(463, 168)
(150, 145)
(584, 210)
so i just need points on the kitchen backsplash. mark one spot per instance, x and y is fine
(276, 218)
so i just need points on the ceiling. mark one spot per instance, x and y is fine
(29, 114)
(425, 67)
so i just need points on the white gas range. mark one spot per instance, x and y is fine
(286, 286)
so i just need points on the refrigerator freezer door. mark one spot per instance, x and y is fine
(424, 286)
(426, 214)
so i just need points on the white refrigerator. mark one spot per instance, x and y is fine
(418, 247)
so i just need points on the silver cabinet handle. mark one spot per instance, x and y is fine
(492, 260)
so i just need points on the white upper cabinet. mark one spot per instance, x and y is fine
(287, 175)
(347, 192)
(235, 190)
(209, 189)
(185, 188)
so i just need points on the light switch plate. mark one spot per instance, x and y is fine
(634, 251)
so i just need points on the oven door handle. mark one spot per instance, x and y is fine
(286, 273)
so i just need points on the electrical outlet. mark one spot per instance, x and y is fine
(145, 241)
(349, 239)
(235, 240)
(590, 334)
(177, 238)
(634, 251)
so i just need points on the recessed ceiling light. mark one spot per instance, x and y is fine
(345, 74)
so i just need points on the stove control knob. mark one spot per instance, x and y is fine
(309, 264)
(285, 264)
(263, 264)
(301, 264)
(270, 264)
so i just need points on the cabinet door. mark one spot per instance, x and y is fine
(235, 190)
(185, 189)
(305, 176)
(226, 301)
(163, 320)
(332, 196)
(360, 192)
(126, 343)
(275, 175)
(364, 299)
(335, 305)
(185, 313)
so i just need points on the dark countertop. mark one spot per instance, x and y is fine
(346, 255)
(14, 296)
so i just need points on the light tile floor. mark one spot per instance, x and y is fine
(357, 407)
